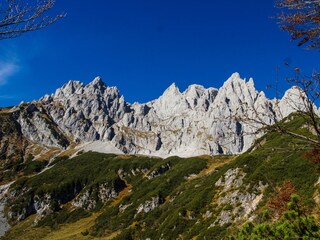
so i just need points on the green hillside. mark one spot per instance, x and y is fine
(104, 196)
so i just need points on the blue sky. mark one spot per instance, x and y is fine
(142, 46)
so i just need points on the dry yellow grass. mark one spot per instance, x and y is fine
(125, 192)
(25, 231)
(70, 151)
(316, 198)
(5, 110)
(123, 156)
(49, 154)
(72, 231)
(77, 231)
(213, 163)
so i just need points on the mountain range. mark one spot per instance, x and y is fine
(55, 185)
(190, 123)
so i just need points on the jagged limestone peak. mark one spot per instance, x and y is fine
(197, 121)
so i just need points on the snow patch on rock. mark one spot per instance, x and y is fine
(99, 146)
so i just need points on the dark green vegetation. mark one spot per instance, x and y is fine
(171, 198)
(294, 224)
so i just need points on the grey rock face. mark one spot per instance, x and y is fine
(88, 200)
(237, 204)
(99, 193)
(4, 224)
(12, 141)
(42, 206)
(39, 205)
(149, 205)
(17, 213)
(194, 122)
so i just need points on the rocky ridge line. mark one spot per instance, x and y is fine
(194, 122)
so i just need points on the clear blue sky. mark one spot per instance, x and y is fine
(142, 46)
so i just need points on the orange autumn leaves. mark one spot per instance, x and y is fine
(301, 19)
(278, 203)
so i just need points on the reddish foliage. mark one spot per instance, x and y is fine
(301, 20)
(314, 156)
(278, 203)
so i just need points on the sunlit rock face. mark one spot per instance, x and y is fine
(193, 122)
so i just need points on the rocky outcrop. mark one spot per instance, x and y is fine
(19, 210)
(12, 141)
(193, 122)
(43, 206)
(157, 172)
(99, 194)
(23, 202)
(4, 224)
(235, 201)
(149, 205)
(37, 126)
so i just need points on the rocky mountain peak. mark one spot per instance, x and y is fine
(235, 77)
(68, 89)
(97, 81)
(250, 83)
(233, 83)
(194, 122)
(97, 86)
(236, 91)
(170, 103)
(171, 90)
(194, 91)
(293, 100)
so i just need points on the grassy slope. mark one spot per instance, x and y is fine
(274, 159)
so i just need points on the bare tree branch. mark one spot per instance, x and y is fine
(21, 16)
(301, 20)
(301, 100)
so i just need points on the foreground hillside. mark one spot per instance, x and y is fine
(106, 196)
